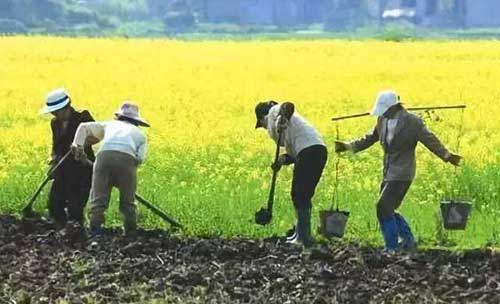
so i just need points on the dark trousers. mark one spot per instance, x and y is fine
(70, 190)
(392, 194)
(308, 168)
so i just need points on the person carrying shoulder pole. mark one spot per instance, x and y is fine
(123, 148)
(398, 132)
(305, 149)
(72, 179)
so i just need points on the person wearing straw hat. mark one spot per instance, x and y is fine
(398, 132)
(71, 186)
(123, 148)
(305, 149)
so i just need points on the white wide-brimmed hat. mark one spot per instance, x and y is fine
(131, 111)
(384, 101)
(56, 100)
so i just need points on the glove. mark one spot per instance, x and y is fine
(276, 166)
(286, 159)
(78, 152)
(341, 146)
(454, 159)
(283, 159)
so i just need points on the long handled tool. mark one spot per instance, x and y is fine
(265, 215)
(409, 109)
(150, 206)
(28, 209)
(158, 211)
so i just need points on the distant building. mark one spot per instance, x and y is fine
(257, 12)
(264, 12)
(221, 11)
(440, 13)
(433, 13)
(482, 13)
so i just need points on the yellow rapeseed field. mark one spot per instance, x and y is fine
(209, 167)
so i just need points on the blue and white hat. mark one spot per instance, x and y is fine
(56, 100)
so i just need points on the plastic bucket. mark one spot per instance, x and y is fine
(455, 214)
(333, 223)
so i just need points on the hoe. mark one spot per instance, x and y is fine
(28, 209)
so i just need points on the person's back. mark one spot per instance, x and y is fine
(125, 137)
(299, 134)
(123, 149)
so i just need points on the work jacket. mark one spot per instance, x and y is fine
(62, 139)
(399, 153)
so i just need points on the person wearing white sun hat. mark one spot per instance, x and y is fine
(398, 132)
(123, 148)
(71, 186)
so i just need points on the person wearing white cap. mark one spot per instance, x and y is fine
(71, 186)
(123, 148)
(398, 132)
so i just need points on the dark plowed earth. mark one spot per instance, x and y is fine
(39, 265)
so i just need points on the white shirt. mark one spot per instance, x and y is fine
(298, 135)
(116, 135)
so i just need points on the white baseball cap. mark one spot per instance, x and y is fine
(55, 100)
(385, 100)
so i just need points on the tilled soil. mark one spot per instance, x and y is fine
(40, 265)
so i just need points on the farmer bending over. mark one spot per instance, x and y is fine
(72, 179)
(123, 148)
(306, 149)
(398, 131)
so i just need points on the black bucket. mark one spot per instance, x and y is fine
(455, 214)
(333, 223)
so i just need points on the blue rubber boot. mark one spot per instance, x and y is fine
(390, 232)
(405, 233)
